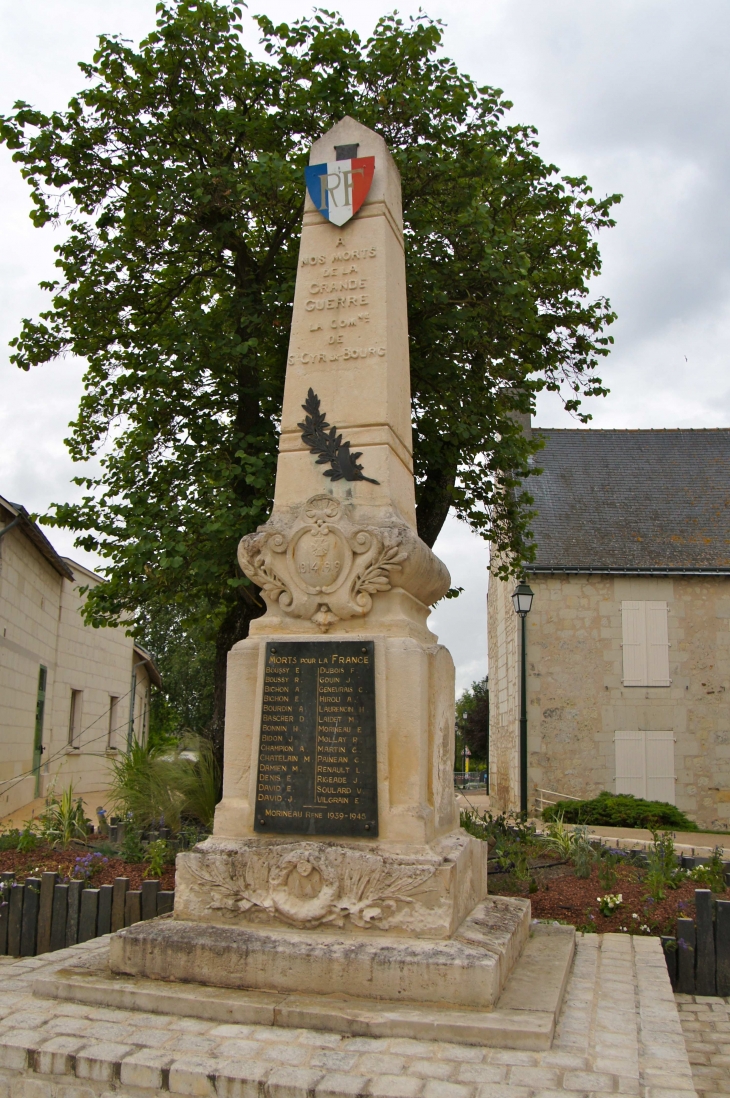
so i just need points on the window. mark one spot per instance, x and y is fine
(645, 644)
(74, 718)
(645, 765)
(111, 742)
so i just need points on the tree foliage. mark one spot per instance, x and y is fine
(177, 173)
(472, 719)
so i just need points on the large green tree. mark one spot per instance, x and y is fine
(178, 175)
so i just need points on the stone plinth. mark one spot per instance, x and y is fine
(467, 971)
(355, 887)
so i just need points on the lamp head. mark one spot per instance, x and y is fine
(522, 599)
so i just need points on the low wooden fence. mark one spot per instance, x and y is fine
(698, 958)
(42, 914)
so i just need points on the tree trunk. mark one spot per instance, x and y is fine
(234, 628)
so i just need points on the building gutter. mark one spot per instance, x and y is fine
(603, 571)
(4, 529)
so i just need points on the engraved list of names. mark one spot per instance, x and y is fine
(317, 772)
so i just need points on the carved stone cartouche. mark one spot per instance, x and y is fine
(318, 565)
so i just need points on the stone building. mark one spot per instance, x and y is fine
(628, 638)
(70, 695)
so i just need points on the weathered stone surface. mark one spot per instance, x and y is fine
(651, 1042)
(353, 886)
(342, 555)
(467, 971)
(372, 559)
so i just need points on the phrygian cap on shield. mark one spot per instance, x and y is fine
(339, 189)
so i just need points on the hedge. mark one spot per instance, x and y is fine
(620, 810)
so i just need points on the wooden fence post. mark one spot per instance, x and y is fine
(120, 886)
(74, 906)
(4, 908)
(133, 907)
(29, 922)
(669, 945)
(15, 915)
(722, 946)
(104, 925)
(686, 956)
(45, 911)
(88, 914)
(165, 902)
(149, 899)
(705, 972)
(58, 917)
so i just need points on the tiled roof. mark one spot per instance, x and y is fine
(633, 500)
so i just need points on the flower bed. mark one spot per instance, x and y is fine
(562, 896)
(69, 864)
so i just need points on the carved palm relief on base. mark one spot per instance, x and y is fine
(307, 885)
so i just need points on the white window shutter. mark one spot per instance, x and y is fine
(633, 629)
(630, 763)
(660, 783)
(657, 644)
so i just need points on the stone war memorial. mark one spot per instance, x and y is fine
(338, 891)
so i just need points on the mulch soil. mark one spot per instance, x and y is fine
(47, 859)
(569, 899)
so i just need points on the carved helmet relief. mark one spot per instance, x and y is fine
(320, 565)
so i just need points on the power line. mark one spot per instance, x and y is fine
(5, 788)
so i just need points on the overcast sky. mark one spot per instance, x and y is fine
(633, 95)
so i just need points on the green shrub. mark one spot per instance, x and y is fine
(159, 854)
(63, 819)
(663, 866)
(712, 874)
(131, 849)
(582, 855)
(9, 839)
(620, 810)
(174, 783)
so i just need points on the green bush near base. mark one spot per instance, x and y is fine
(620, 810)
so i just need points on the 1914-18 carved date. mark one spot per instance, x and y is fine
(317, 770)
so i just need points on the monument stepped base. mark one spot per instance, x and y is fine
(523, 1017)
(467, 970)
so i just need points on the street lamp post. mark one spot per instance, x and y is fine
(522, 602)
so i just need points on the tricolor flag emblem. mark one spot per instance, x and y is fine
(338, 190)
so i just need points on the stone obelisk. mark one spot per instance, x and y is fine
(337, 864)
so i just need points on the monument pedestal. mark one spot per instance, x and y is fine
(353, 887)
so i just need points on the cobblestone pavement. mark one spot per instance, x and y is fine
(706, 1029)
(619, 1033)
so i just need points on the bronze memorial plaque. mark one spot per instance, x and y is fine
(317, 762)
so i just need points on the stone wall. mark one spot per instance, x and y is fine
(41, 625)
(504, 699)
(576, 700)
(30, 595)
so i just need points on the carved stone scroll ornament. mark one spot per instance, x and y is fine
(322, 567)
(306, 885)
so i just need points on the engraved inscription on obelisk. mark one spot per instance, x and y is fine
(317, 759)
